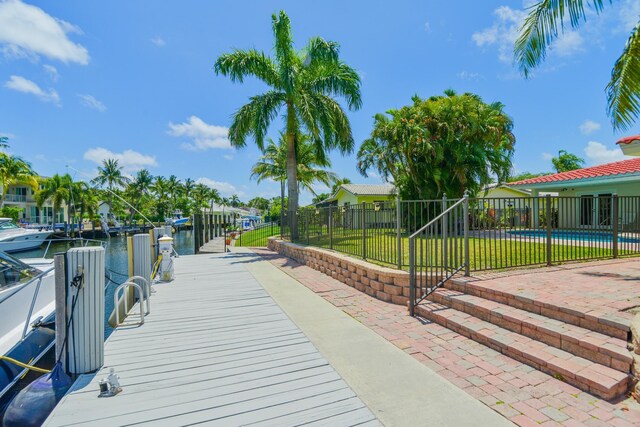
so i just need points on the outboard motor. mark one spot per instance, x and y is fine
(33, 404)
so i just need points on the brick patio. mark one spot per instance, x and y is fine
(515, 390)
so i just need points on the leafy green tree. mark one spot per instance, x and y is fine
(566, 162)
(56, 190)
(259, 203)
(110, 173)
(546, 21)
(15, 171)
(201, 196)
(321, 197)
(304, 84)
(234, 201)
(4, 142)
(525, 175)
(338, 182)
(174, 187)
(161, 193)
(441, 145)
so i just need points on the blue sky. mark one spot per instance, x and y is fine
(82, 80)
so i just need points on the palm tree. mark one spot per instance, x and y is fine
(56, 190)
(201, 195)
(13, 171)
(174, 186)
(188, 187)
(213, 196)
(546, 21)
(159, 187)
(110, 173)
(273, 164)
(138, 190)
(304, 84)
(338, 182)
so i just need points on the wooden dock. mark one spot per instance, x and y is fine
(216, 349)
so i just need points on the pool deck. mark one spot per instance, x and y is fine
(235, 341)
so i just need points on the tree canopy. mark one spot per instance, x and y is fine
(566, 162)
(440, 145)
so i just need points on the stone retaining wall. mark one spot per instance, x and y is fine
(382, 283)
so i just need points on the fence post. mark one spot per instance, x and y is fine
(445, 226)
(306, 224)
(548, 218)
(616, 225)
(465, 221)
(398, 236)
(330, 227)
(364, 230)
(412, 277)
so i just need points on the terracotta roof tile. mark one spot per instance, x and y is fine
(628, 139)
(631, 166)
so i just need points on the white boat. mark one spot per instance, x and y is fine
(176, 219)
(16, 239)
(27, 293)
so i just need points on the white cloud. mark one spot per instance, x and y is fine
(90, 102)
(427, 27)
(505, 30)
(204, 135)
(52, 72)
(23, 85)
(130, 160)
(629, 14)
(547, 156)
(28, 31)
(224, 188)
(598, 153)
(568, 44)
(468, 75)
(158, 41)
(589, 126)
(228, 157)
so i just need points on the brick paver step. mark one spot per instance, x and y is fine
(591, 345)
(604, 322)
(594, 378)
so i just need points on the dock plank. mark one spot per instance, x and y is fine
(216, 349)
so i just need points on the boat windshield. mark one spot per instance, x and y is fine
(14, 271)
(7, 225)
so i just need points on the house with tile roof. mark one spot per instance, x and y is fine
(587, 194)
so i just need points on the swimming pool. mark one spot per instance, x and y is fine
(587, 236)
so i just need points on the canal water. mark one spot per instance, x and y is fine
(116, 261)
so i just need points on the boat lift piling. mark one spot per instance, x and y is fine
(80, 309)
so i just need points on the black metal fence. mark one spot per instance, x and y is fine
(259, 234)
(502, 233)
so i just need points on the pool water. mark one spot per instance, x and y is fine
(586, 236)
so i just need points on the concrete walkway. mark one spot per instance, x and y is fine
(397, 388)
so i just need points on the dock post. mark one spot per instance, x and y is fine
(142, 260)
(85, 307)
(61, 308)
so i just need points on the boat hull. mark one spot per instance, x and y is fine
(24, 241)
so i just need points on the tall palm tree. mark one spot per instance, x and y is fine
(110, 173)
(56, 190)
(273, 164)
(546, 21)
(304, 84)
(214, 197)
(338, 182)
(201, 196)
(188, 187)
(174, 186)
(13, 171)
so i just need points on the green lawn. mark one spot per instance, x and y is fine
(257, 238)
(484, 253)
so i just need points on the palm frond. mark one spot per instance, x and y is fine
(255, 117)
(623, 90)
(285, 54)
(319, 50)
(545, 21)
(242, 63)
(336, 78)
